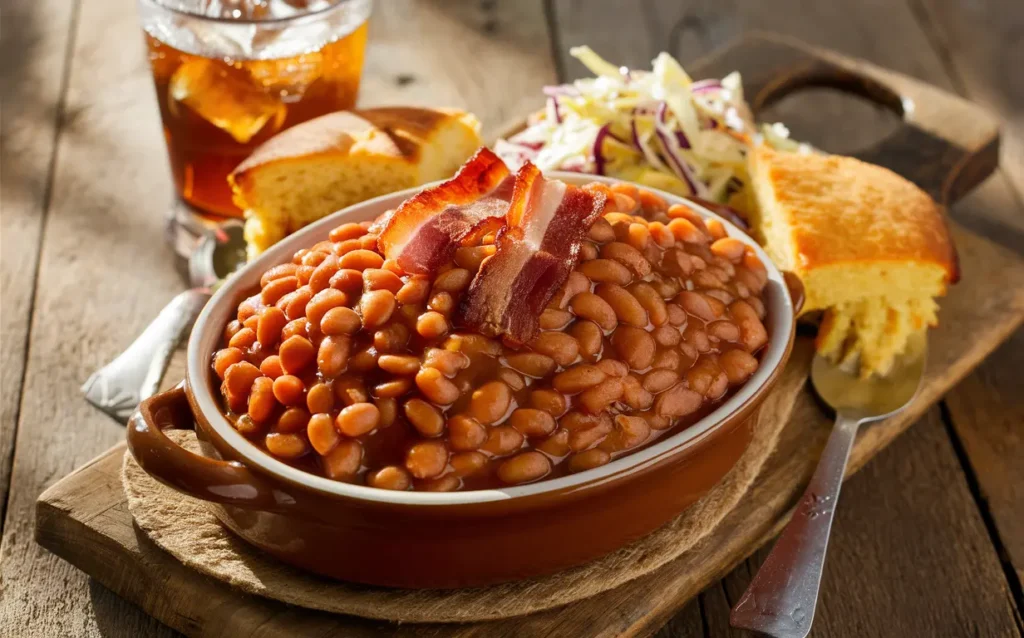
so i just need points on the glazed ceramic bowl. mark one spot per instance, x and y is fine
(422, 539)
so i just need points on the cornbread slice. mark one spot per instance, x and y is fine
(313, 169)
(871, 248)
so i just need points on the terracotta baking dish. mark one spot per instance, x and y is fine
(457, 539)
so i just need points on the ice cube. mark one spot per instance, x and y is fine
(226, 97)
(287, 79)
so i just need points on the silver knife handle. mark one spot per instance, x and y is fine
(781, 599)
(118, 387)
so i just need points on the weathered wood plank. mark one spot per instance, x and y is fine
(916, 505)
(897, 528)
(689, 30)
(104, 272)
(987, 409)
(984, 47)
(490, 58)
(687, 623)
(888, 34)
(33, 52)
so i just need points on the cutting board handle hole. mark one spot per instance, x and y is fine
(821, 74)
(830, 117)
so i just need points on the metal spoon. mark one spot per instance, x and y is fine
(781, 599)
(118, 387)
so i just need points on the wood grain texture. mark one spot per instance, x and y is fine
(984, 45)
(105, 217)
(986, 410)
(84, 518)
(33, 53)
(491, 58)
(902, 528)
(909, 526)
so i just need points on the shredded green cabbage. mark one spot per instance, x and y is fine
(658, 128)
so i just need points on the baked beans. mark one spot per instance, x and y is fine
(344, 365)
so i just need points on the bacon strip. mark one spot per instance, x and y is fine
(423, 233)
(546, 223)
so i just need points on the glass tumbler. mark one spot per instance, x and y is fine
(229, 74)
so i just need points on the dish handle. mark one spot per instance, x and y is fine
(214, 480)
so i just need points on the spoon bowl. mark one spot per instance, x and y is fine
(220, 252)
(874, 397)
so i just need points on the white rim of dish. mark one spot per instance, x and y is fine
(203, 343)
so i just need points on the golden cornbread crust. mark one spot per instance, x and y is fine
(409, 127)
(387, 132)
(852, 212)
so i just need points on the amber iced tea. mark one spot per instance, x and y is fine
(226, 83)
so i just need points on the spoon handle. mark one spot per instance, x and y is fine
(118, 387)
(780, 601)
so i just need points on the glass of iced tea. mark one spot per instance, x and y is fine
(229, 74)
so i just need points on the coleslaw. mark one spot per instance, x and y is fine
(659, 128)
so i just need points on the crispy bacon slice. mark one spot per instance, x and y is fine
(423, 233)
(539, 246)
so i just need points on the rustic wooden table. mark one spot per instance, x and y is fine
(930, 536)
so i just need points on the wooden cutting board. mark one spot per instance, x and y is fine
(946, 145)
